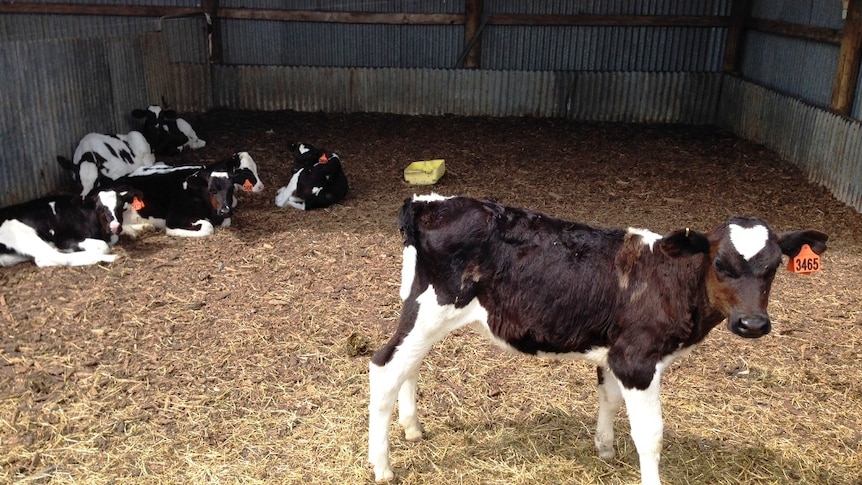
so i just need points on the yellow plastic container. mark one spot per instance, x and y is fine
(425, 172)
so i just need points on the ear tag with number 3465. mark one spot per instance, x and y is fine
(806, 262)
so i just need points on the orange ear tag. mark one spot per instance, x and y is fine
(806, 262)
(137, 204)
(246, 186)
(323, 159)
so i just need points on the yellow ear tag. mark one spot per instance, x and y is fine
(806, 262)
(137, 204)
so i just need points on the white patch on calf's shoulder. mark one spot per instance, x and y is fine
(748, 241)
(649, 237)
(408, 270)
(434, 320)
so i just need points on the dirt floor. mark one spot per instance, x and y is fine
(243, 357)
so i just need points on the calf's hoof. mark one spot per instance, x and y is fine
(383, 474)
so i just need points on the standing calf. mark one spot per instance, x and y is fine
(629, 301)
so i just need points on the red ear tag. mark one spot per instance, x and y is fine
(246, 186)
(137, 204)
(323, 159)
(806, 262)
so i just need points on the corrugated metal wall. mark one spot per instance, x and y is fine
(64, 76)
(55, 92)
(595, 96)
(826, 146)
(794, 66)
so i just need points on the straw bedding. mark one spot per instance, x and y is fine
(242, 357)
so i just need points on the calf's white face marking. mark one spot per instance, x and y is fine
(748, 241)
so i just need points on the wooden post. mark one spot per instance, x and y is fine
(849, 59)
(473, 18)
(739, 13)
(214, 50)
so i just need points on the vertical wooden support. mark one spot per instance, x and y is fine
(473, 14)
(847, 75)
(214, 51)
(739, 12)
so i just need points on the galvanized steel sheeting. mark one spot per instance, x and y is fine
(55, 92)
(98, 68)
(827, 147)
(594, 96)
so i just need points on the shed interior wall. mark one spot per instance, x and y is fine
(92, 71)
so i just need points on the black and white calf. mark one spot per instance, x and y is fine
(100, 158)
(64, 230)
(167, 133)
(628, 300)
(318, 179)
(186, 201)
(242, 167)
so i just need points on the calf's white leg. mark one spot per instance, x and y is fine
(644, 410)
(610, 400)
(408, 416)
(397, 378)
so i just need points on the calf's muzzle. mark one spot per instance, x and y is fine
(749, 326)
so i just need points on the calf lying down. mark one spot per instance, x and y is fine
(64, 230)
(318, 179)
(100, 158)
(627, 300)
(187, 201)
(167, 133)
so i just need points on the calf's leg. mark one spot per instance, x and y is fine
(610, 400)
(644, 410)
(394, 370)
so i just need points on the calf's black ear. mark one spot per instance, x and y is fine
(128, 194)
(197, 179)
(684, 242)
(791, 241)
(142, 113)
(168, 115)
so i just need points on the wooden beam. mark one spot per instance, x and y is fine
(114, 10)
(808, 32)
(341, 17)
(847, 75)
(610, 20)
(473, 44)
(214, 47)
(739, 12)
